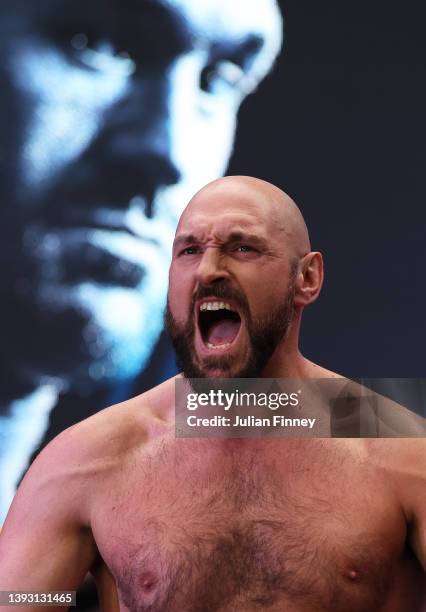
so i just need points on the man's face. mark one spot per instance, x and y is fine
(113, 113)
(231, 285)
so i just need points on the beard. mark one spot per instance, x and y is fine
(265, 334)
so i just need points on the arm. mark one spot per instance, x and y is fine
(404, 460)
(46, 543)
(416, 496)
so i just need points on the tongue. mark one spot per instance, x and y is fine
(222, 332)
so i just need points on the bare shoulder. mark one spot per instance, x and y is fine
(378, 415)
(56, 500)
(102, 441)
(395, 420)
(391, 420)
(68, 469)
(403, 463)
(314, 370)
(399, 456)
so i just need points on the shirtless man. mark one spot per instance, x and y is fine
(172, 524)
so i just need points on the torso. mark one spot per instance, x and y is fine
(244, 525)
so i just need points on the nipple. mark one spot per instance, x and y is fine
(352, 575)
(148, 581)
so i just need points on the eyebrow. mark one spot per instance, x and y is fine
(184, 239)
(178, 37)
(234, 236)
(150, 29)
(242, 51)
(238, 236)
(159, 31)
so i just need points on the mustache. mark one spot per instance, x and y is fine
(221, 289)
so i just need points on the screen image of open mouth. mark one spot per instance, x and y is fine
(104, 246)
(91, 262)
(72, 255)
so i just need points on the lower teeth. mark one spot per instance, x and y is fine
(218, 346)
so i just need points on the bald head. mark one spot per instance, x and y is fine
(272, 205)
(243, 241)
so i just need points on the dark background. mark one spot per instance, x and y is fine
(340, 126)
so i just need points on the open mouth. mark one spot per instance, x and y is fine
(219, 324)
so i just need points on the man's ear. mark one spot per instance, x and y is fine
(309, 279)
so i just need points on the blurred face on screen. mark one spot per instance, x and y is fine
(112, 113)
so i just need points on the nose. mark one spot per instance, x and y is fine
(212, 267)
(146, 132)
(134, 143)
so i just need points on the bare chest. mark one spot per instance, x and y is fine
(298, 527)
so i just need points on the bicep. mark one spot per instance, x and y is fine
(40, 555)
(415, 496)
(106, 587)
(44, 544)
(418, 538)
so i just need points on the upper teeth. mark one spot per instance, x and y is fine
(215, 306)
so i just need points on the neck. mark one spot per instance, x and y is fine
(288, 362)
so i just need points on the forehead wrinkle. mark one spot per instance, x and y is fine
(270, 207)
(237, 234)
(222, 236)
(242, 229)
(208, 222)
(253, 202)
